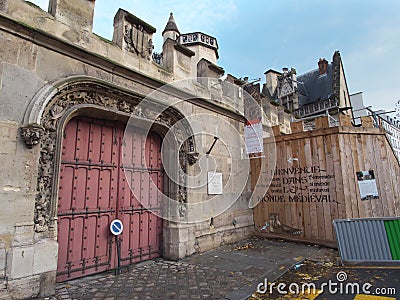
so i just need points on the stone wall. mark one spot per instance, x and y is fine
(24, 262)
(44, 53)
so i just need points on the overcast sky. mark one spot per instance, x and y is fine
(255, 36)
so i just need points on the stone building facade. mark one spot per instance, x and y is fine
(66, 89)
(322, 91)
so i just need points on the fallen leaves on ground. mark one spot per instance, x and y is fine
(244, 247)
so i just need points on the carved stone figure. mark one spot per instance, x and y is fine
(192, 157)
(182, 210)
(149, 49)
(31, 135)
(125, 107)
(128, 38)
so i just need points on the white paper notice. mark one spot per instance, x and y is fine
(367, 185)
(253, 136)
(214, 183)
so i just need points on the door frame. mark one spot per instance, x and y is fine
(105, 240)
(49, 112)
(56, 103)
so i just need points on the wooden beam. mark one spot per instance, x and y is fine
(321, 122)
(297, 127)
(345, 121)
(367, 122)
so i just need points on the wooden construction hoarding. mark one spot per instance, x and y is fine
(315, 180)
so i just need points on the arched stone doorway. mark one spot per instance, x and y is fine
(45, 123)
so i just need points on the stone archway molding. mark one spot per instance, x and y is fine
(55, 104)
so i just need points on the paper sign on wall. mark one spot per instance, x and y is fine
(367, 185)
(214, 183)
(253, 136)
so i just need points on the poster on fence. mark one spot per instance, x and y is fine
(253, 135)
(367, 185)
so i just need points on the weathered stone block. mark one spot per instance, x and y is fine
(74, 13)
(208, 242)
(3, 291)
(52, 66)
(8, 147)
(232, 236)
(20, 262)
(24, 228)
(179, 235)
(19, 85)
(2, 260)
(27, 57)
(24, 288)
(4, 131)
(47, 284)
(19, 175)
(22, 240)
(8, 132)
(176, 251)
(16, 207)
(45, 256)
(244, 219)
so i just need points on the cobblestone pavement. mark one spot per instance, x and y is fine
(228, 272)
(156, 280)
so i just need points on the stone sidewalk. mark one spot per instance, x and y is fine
(228, 272)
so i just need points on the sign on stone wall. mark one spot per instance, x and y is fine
(214, 183)
(253, 135)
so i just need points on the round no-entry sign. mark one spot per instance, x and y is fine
(116, 227)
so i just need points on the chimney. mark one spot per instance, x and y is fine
(271, 80)
(77, 14)
(322, 66)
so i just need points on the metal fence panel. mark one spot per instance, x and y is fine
(362, 240)
(393, 234)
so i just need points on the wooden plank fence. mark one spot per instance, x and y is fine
(317, 179)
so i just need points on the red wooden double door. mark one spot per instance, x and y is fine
(95, 188)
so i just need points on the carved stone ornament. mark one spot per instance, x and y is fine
(157, 58)
(31, 134)
(103, 97)
(182, 191)
(192, 157)
(182, 210)
(138, 41)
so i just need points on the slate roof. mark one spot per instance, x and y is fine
(314, 87)
(171, 25)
